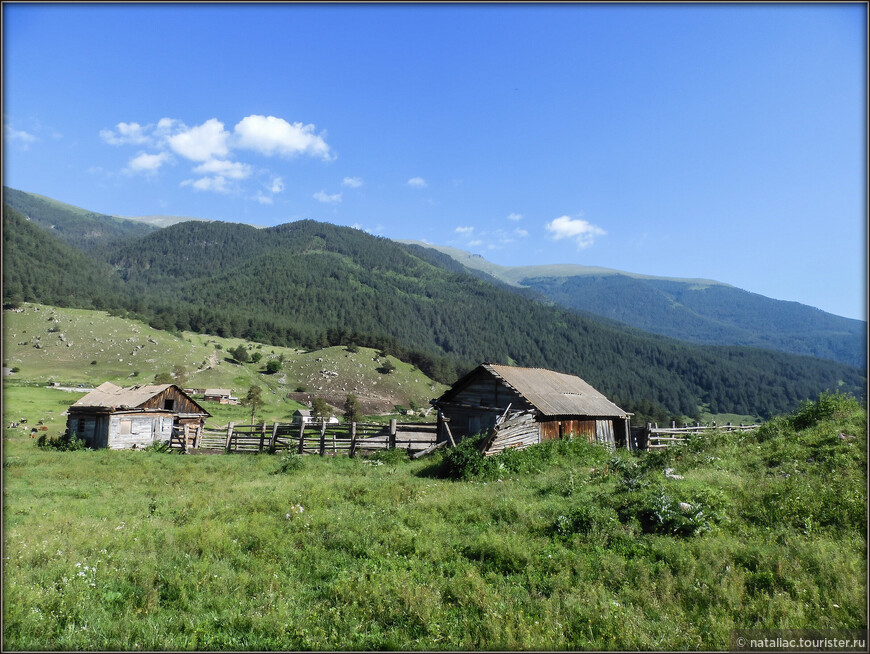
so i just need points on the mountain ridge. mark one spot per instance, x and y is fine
(689, 309)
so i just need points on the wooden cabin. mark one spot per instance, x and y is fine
(130, 418)
(518, 407)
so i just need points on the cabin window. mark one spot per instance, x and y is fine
(169, 404)
(126, 427)
(81, 427)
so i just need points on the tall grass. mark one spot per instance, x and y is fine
(563, 546)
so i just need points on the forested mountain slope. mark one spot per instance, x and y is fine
(40, 267)
(315, 284)
(84, 229)
(694, 310)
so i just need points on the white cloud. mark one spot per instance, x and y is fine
(19, 136)
(216, 184)
(212, 147)
(474, 243)
(515, 216)
(581, 231)
(353, 182)
(521, 232)
(125, 134)
(270, 135)
(417, 182)
(202, 142)
(464, 230)
(223, 168)
(148, 163)
(323, 196)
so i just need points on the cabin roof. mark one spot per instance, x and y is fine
(109, 396)
(551, 393)
(217, 391)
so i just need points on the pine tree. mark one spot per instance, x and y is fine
(352, 409)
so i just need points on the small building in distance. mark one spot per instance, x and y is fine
(134, 417)
(306, 417)
(518, 407)
(222, 395)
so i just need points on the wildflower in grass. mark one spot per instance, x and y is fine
(295, 509)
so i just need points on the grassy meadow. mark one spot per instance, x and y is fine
(562, 546)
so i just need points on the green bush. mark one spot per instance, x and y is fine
(827, 406)
(66, 442)
(465, 462)
(290, 462)
(678, 511)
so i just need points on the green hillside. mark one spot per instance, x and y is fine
(72, 347)
(713, 314)
(84, 229)
(312, 285)
(694, 310)
(39, 266)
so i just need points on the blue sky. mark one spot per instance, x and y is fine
(725, 142)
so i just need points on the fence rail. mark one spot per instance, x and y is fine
(657, 438)
(324, 439)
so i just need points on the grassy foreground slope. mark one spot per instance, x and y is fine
(564, 546)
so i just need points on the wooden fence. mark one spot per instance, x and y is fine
(653, 437)
(310, 438)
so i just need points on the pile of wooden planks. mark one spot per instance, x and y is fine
(520, 431)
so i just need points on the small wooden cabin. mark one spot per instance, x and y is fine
(129, 418)
(518, 407)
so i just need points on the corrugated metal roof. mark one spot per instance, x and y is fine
(217, 391)
(555, 393)
(109, 395)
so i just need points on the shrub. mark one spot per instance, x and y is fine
(827, 406)
(661, 509)
(66, 442)
(465, 461)
(290, 462)
(272, 366)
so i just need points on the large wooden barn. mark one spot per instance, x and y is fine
(518, 407)
(130, 418)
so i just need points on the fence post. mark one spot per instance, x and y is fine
(274, 437)
(392, 442)
(262, 436)
(323, 438)
(301, 449)
(197, 439)
(352, 439)
(230, 435)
